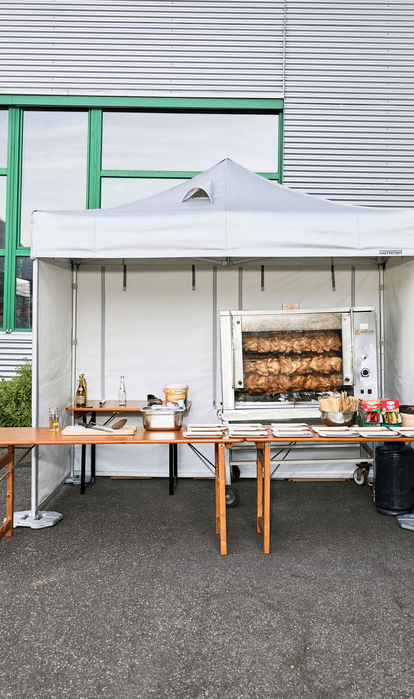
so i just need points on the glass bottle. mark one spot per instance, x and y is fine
(122, 391)
(81, 393)
(85, 385)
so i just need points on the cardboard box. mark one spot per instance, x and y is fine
(387, 404)
(369, 413)
(390, 412)
(370, 405)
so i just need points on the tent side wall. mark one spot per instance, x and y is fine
(160, 330)
(52, 372)
(399, 329)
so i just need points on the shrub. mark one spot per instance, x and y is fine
(16, 398)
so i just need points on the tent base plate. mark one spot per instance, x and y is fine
(73, 480)
(42, 519)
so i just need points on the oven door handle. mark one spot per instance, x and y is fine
(238, 352)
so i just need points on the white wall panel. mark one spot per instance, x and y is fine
(219, 47)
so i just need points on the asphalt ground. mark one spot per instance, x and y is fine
(128, 596)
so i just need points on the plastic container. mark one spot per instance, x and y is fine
(394, 479)
(176, 393)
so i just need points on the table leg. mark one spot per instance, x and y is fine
(173, 467)
(263, 494)
(6, 529)
(10, 491)
(93, 454)
(216, 485)
(83, 469)
(93, 463)
(266, 499)
(221, 475)
(259, 517)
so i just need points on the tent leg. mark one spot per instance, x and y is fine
(33, 518)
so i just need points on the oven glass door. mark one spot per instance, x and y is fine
(297, 360)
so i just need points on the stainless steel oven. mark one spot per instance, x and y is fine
(275, 364)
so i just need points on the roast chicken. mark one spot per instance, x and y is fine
(315, 341)
(279, 383)
(293, 365)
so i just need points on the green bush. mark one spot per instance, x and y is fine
(16, 398)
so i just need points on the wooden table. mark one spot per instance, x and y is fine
(12, 436)
(264, 471)
(112, 406)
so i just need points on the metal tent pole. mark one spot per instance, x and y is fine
(33, 518)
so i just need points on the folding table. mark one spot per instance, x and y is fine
(264, 472)
(112, 406)
(34, 436)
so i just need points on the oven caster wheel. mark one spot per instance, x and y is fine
(361, 476)
(235, 474)
(232, 496)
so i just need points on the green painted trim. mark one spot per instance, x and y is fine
(280, 145)
(3, 170)
(177, 174)
(150, 173)
(13, 205)
(146, 102)
(93, 181)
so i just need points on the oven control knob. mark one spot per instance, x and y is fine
(365, 372)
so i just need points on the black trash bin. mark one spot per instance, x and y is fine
(394, 479)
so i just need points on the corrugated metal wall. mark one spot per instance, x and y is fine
(14, 348)
(158, 47)
(349, 101)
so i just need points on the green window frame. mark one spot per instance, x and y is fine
(95, 174)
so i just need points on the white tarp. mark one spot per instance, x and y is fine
(399, 300)
(241, 214)
(160, 330)
(53, 367)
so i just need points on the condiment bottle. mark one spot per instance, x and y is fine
(81, 393)
(122, 392)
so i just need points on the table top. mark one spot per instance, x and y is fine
(316, 439)
(112, 406)
(42, 435)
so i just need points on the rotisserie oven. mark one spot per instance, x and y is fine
(275, 364)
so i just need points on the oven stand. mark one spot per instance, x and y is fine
(366, 453)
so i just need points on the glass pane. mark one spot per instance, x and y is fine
(24, 276)
(1, 290)
(54, 163)
(116, 190)
(3, 182)
(4, 114)
(171, 142)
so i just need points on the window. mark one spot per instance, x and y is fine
(54, 163)
(24, 287)
(3, 137)
(123, 190)
(3, 182)
(146, 152)
(165, 141)
(55, 154)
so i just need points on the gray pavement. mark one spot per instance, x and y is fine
(128, 596)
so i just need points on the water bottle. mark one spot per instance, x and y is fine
(122, 392)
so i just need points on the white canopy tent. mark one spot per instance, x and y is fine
(226, 211)
(160, 329)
